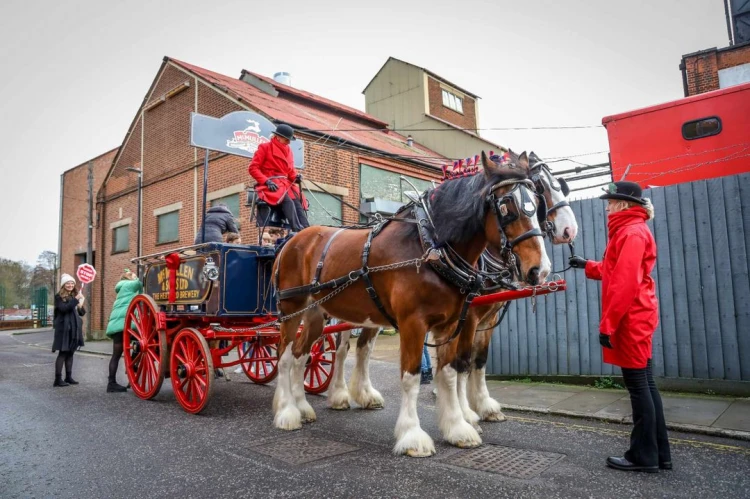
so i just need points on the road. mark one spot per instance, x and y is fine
(81, 442)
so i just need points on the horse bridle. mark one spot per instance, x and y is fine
(539, 169)
(505, 216)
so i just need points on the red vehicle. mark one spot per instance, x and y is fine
(695, 138)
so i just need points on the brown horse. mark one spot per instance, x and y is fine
(561, 227)
(419, 276)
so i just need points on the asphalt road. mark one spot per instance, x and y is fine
(81, 442)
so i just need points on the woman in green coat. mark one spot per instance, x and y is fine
(128, 287)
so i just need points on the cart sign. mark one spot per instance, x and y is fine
(86, 273)
(239, 133)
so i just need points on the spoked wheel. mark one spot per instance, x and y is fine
(319, 369)
(191, 370)
(260, 359)
(145, 347)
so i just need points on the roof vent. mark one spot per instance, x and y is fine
(284, 78)
(409, 141)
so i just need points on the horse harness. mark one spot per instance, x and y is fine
(442, 258)
(537, 170)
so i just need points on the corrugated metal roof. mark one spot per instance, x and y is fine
(311, 112)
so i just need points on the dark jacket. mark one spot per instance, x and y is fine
(68, 325)
(219, 221)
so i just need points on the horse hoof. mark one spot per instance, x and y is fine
(495, 417)
(415, 443)
(415, 453)
(468, 444)
(288, 419)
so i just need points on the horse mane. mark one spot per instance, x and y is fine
(457, 206)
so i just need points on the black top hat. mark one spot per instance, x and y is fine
(285, 131)
(625, 191)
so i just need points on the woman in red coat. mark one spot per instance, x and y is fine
(630, 315)
(276, 180)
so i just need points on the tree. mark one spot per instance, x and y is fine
(44, 272)
(15, 277)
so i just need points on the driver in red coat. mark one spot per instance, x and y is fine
(277, 182)
(630, 314)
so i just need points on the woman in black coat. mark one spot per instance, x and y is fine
(219, 221)
(68, 328)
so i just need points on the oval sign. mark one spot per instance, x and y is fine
(86, 273)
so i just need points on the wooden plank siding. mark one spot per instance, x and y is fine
(702, 231)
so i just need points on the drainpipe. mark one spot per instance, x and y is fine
(59, 238)
(684, 77)
(727, 12)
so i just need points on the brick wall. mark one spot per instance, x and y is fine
(466, 120)
(173, 173)
(702, 69)
(74, 236)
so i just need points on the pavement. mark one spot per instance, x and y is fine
(706, 414)
(81, 442)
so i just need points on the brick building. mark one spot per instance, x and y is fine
(713, 68)
(351, 154)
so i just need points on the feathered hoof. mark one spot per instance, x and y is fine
(494, 417)
(339, 401)
(463, 435)
(415, 443)
(371, 400)
(288, 418)
(307, 413)
(489, 410)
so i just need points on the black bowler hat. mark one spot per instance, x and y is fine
(285, 131)
(625, 191)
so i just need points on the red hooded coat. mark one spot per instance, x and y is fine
(274, 159)
(630, 311)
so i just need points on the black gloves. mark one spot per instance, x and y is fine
(271, 186)
(577, 262)
(604, 340)
(299, 178)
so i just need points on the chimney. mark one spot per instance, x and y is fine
(284, 78)
(409, 141)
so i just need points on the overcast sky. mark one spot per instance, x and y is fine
(74, 72)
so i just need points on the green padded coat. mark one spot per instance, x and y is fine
(126, 291)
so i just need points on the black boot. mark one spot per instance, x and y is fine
(113, 387)
(425, 378)
(59, 382)
(71, 381)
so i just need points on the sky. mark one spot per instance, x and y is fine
(75, 72)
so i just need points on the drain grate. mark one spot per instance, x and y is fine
(507, 461)
(300, 450)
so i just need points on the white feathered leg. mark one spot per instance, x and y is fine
(411, 439)
(361, 388)
(451, 420)
(470, 416)
(287, 415)
(298, 389)
(485, 406)
(338, 393)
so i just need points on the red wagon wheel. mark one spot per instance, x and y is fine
(145, 347)
(319, 369)
(191, 370)
(260, 359)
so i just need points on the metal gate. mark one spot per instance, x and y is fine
(39, 299)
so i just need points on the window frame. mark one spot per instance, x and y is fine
(315, 194)
(222, 198)
(452, 101)
(718, 130)
(115, 251)
(158, 231)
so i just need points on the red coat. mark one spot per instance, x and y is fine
(630, 312)
(274, 159)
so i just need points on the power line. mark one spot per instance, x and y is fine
(499, 129)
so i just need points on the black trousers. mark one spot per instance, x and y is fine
(649, 444)
(294, 213)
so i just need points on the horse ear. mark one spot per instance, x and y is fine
(523, 161)
(488, 164)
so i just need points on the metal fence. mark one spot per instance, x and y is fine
(702, 230)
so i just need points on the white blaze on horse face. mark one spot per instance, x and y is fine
(545, 266)
(566, 225)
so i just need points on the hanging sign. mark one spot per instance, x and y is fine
(238, 133)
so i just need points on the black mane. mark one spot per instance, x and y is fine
(457, 207)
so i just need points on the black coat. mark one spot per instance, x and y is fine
(68, 325)
(219, 221)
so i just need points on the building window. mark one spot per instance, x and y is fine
(701, 128)
(453, 101)
(325, 209)
(121, 239)
(168, 227)
(384, 184)
(232, 201)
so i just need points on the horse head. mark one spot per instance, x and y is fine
(514, 214)
(559, 221)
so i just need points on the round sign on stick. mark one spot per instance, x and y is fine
(86, 273)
